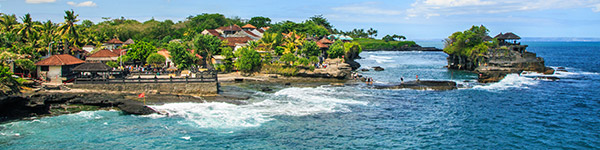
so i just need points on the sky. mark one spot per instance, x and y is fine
(416, 19)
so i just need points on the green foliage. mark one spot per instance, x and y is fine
(207, 44)
(8, 84)
(313, 59)
(310, 48)
(227, 52)
(321, 21)
(306, 28)
(112, 64)
(260, 22)
(25, 64)
(302, 62)
(394, 37)
(279, 69)
(288, 58)
(469, 42)
(374, 44)
(140, 51)
(156, 59)
(248, 60)
(180, 56)
(336, 50)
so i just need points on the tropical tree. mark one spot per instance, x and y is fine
(180, 56)
(8, 84)
(336, 50)
(321, 21)
(372, 32)
(68, 29)
(27, 29)
(156, 59)
(209, 45)
(227, 52)
(310, 48)
(248, 60)
(288, 58)
(7, 22)
(260, 22)
(140, 51)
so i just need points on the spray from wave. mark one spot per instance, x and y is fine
(289, 102)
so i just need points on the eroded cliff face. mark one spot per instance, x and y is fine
(495, 64)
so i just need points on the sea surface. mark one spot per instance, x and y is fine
(518, 112)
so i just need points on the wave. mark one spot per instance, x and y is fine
(510, 81)
(381, 59)
(288, 102)
(527, 79)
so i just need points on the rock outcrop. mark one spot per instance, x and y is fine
(21, 106)
(421, 85)
(407, 48)
(335, 69)
(495, 64)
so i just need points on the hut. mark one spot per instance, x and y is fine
(508, 38)
(93, 70)
(248, 27)
(113, 44)
(103, 56)
(57, 67)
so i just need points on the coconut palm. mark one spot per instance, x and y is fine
(68, 29)
(7, 22)
(27, 29)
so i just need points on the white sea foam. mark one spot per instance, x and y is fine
(290, 101)
(380, 59)
(510, 81)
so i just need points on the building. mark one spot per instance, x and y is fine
(167, 54)
(57, 68)
(88, 48)
(128, 42)
(113, 44)
(103, 56)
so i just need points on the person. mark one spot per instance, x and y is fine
(417, 77)
(401, 79)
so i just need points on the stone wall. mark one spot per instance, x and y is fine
(210, 88)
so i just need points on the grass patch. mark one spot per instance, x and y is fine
(375, 44)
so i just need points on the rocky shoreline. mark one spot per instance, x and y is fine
(408, 48)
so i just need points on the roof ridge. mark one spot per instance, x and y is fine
(61, 61)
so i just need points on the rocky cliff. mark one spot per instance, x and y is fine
(495, 64)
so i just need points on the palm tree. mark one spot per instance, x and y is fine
(27, 29)
(47, 35)
(68, 29)
(7, 22)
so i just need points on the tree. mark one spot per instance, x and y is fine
(7, 22)
(26, 65)
(248, 60)
(140, 51)
(8, 84)
(310, 48)
(208, 44)
(313, 59)
(227, 52)
(68, 29)
(112, 64)
(27, 29)
(336, 50)
(180, 56)
(156, 59)
(260, 22)
(321, 21)
(388, 38)
(288, 58)
(372, 32)
(469, 42)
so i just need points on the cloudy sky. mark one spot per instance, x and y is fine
(417, 19)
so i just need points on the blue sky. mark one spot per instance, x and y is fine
(416, 19)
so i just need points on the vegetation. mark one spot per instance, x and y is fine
(8, 84)
(207, 45)
(248, 60)
(182, 58)
(374, 44)
(156, 59)
(112, 64)
(139, 51)
(336, 49)
(260, 22)
(469, 42)
(394, 37)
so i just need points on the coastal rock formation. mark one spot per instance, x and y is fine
(406, 48)
(20, 106)
(494, 65)
(421, 85)
(335, 69)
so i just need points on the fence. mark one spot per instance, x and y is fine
(209, 76)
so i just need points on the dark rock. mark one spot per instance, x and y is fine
(561, 68)
(421, 85)
(136, 108)
(378, 68)
(364, 69)
(287, 84)
(266, 89)
(549, 70)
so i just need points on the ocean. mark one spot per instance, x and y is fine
(519, 112)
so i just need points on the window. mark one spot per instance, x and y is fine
(45, 68)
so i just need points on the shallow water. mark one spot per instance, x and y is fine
(518, 112)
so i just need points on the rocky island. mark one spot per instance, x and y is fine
(492, 58)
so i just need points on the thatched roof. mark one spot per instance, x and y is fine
(507, 36)
(487, 38)
(92, 67)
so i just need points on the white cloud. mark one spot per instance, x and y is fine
(366, 9)
(39, 1)
(82, 4)
(428, 8)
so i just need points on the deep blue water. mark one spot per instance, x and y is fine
(516, 113)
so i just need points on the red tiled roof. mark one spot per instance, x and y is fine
(230, 28)
(104, 53)
(115, 41)
(248, 26)
(325, 41)
(231, 41)
(213, 32)
(165, 53)
(118, 51)
(321, 45)
(261, 30)
(75, 49)
(251, 34)
(59, 60)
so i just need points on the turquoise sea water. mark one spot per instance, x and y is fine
(518, 112)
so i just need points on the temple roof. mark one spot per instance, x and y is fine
(59, 60)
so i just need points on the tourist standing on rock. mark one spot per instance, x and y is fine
(401, 79)
(417, 77)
